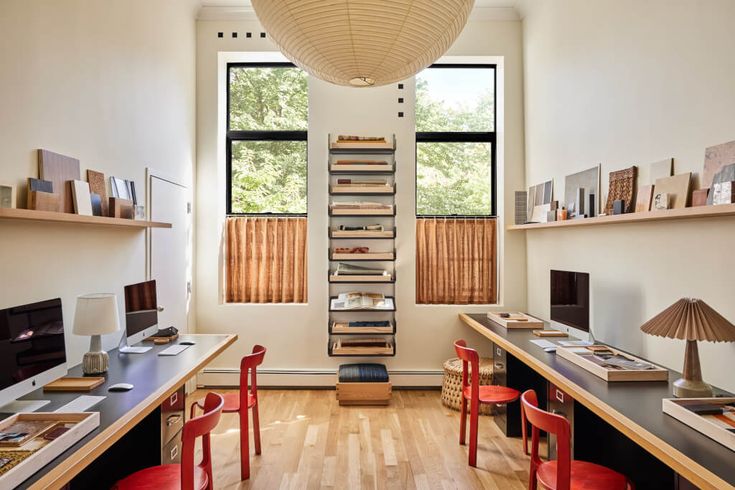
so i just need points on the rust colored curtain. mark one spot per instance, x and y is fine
(456, 261)
(265, 260)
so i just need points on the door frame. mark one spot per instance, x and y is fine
(151, 173)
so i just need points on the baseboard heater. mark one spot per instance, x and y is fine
(313, 378)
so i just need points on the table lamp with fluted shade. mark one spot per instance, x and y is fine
(691, 320)
(96, 315)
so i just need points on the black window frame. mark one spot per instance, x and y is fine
(465, 137)
(232, 136)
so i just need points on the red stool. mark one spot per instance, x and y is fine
(240, 403)
(184, 476)
(564, 473)
(477, 394)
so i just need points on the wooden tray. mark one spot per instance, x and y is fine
(361, 189)
(340, 327)
(83, 424)
(359, 278)
(362, 234)
(339, 350)
(362, 169)
(610, 374)
(364, 393)
(517, 320)
(363, 256)
(161, 340)
(75, 384)
(363, 211)
(676, 407)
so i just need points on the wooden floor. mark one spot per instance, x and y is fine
(309, 441)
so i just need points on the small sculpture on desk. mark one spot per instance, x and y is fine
(691, 320)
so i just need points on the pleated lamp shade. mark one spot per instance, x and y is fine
(363, 43)
(690, 319)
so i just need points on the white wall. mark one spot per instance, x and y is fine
(623, 82)
(110, 83)
(296, 335)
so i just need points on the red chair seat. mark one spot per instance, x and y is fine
(232, 402)
(493, 394)
(584, 476)
(166, 477)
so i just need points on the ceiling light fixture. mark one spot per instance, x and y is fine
(363, 43)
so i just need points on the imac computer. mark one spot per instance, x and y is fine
(32, 352)
(141, 316)
(570, 303)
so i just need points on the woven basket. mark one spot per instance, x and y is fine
(452, 385)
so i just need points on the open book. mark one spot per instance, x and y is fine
(357, 270)
(359, 301)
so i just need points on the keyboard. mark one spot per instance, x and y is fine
(174, 350)
(80, 404)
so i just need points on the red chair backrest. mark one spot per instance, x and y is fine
(199, 427)
(471, 357)
(249, 363)
(553, 424)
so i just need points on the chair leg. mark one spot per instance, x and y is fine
(532, 479)
(463, 422)
(524, 428)
(256, 428)
(244, 445)
(474, 419)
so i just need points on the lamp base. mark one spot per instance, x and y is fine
(685, 388)
(95, 362)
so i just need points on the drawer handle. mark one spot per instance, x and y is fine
(174, 452)
(560, 396)
(173, 420)
(498, 351)
(499, 365)
(174, 398)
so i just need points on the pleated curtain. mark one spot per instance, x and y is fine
(265, 260)
(456, 261)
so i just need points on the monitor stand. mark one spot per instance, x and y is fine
(124, 348)
(23, 406)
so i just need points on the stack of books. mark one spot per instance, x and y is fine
(362, 301)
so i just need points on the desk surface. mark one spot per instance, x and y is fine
(155, 378)
(634, 408)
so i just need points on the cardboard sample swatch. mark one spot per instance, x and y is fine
(59, 170)
(82, 198)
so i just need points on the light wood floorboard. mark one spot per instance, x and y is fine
(310, 442)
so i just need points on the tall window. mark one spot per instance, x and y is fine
(455, 141)
(267, 113)
(456, 243)
(266, 227)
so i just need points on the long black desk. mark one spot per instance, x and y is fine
(632, 408)
(129, 434)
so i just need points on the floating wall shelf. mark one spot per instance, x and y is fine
(698, 212)
(52, 217)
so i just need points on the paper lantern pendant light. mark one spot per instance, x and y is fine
(363, 43)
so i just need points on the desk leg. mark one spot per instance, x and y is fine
(598, 442)
(138, 449)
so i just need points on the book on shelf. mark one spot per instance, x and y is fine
(360, 228)
(358, 270)
(349, 138)
(360, 205)
(352, 250)
(369, 342)
(358, 324)
(362, 183)
(360, 300)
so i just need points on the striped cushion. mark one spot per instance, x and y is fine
(363, 373)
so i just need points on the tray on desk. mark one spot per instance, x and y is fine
(580, 357)
(33, 455)
(516, 320)
(713, 426)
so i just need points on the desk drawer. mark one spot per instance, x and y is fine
(560, 403)
(172, 415)
(171, 452)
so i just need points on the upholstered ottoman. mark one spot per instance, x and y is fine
(452, 385)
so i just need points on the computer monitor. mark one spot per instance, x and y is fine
(32, 352)
(570, 303)
(141, 316)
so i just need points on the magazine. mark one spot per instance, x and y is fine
(357, 270)
(358, 301)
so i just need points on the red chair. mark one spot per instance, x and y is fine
(240, 403)
(184, 476)
(477, 394)
(564, 473)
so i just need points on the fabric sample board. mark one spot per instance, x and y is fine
(97, 186)
(59, 170)
(716, 157)
(363, 373)
(677, 187)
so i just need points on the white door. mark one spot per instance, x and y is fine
(169, 250)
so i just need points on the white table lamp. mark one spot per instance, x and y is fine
(96, 315)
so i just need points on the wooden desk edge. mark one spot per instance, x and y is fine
(673, 458)
(73, 465)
